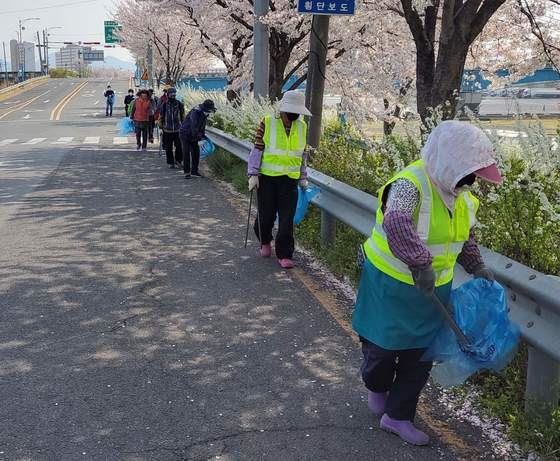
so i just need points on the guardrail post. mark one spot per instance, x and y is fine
(543, 384)
(328, 229)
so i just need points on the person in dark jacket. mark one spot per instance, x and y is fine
(110, 96)
(153, 109)
(127, 100)
(162, 100)
(193, 130)
(172, 114)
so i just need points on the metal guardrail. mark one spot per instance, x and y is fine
(534, 298)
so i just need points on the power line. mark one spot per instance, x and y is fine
(49, 7)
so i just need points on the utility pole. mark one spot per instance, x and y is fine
(315, 89)
(46, 43)
(40, 54)
(261, 53)
(5, 65)
(314, 92)
(149, 59)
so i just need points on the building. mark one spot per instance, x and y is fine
(69, 57)
(29, 63)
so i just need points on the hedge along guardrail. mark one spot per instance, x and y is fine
(6, 92)
(534, 298)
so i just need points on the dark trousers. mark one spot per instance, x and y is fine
(401, 373)
(168, 140)
(277, 195)
(109, 109)
(141, 129)
(191, 156)
(151, 126)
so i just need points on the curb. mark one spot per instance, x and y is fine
(27, 84)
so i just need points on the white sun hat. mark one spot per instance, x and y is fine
(293, 102)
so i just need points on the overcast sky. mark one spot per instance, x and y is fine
(81, 20)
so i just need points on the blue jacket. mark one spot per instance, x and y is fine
(193, 128)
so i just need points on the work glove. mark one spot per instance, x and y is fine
(303, 183)
(424, 279)
(482, 272)
(253, 182)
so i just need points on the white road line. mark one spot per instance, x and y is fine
(64, 140)
(7, 141)
(35, 141)
(91, 140)
(120, 140)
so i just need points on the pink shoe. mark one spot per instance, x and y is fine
(405, 430)
(286, 263)
(376, 402)
(266, 250)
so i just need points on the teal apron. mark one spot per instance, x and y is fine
(394, 315)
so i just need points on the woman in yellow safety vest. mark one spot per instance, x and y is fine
(276, 165)
(424, 225)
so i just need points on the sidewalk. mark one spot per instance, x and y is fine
(134, 326)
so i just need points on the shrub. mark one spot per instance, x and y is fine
(59, 72)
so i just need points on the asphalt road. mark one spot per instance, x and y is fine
(135, 326)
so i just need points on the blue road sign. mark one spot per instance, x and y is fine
(329, 7)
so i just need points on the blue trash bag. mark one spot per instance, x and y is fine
(304, 197)
(207, 148)
(480, 310)
(126, 126)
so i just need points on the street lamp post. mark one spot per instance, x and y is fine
(46, 36)
(21, 50)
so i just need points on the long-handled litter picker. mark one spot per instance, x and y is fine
(463, 340)
(248, 218)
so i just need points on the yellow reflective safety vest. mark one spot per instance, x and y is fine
(443, 233)
(283, 154)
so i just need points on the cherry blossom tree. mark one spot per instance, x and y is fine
(175, 45)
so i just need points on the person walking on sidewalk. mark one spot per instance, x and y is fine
(110, 100)
(276, 164)
(424, 225)
(162, 99)
(140, 114)
(193, 130)
(153, 111)
(172, 114)
(127, 102)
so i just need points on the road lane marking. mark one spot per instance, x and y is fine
(21, 106)
(35, 141)
(57, 110)
(91, 140)
(63, 140)
(7, 141)
(120, 140)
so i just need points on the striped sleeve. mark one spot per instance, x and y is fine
(259, 143)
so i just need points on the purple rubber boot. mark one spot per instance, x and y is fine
(376, 402)
(405, 430)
